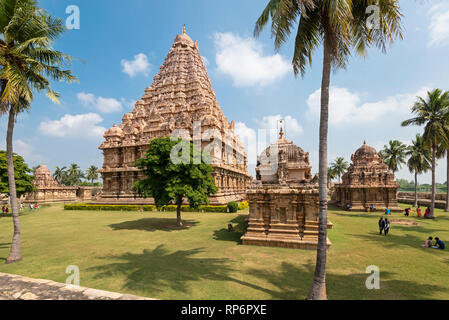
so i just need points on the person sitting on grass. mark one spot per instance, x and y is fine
(427, 214)
(372, 208)
(407, 212)
(428, 243)
(348, 207)
(439, 244)
(388, 211)
(418, 212)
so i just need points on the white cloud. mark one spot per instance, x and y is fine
(439, 25)
(345, 107)
(82, 125)
(205, 61)
(140, 64)
(243, 60)
(105, 105)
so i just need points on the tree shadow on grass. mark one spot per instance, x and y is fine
(239, 225)
(156, 269)
(154, 224)
(293, 283)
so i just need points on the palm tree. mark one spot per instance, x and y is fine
(339, 26)
(92, 174)
(74, 175)
(27, 59)
(339, 166)
(331, 175)
(60, 174)
(419, 160)
(394, 155)
(433, 114)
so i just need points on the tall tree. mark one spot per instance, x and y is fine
(92, 174)
(394, 155)
(24, 178)
(339, 166)
(168, 181)
(339, 26)
(331, 175)
(27, 62)
(74, 175)
(419, 160)
(433, 114)
(60, 174)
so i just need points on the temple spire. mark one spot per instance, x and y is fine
(184, 29)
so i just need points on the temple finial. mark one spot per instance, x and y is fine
(184, 29)
(281, 134)
(364, 142)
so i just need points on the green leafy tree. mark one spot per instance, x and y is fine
(74, 175)
(60, 174)
(433, 114)
(394, 155)
(339, 166)
(331, 175)
(92, 174)
(27, 64)
(340, 27)
(419, 160)
(170, 182)
(24, 178)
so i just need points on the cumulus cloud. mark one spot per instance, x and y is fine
(82, 125)
(105, 105)
(346, 107)
(439, 25)
(243, 60)
(140, 65)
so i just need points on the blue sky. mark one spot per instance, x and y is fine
(123, 43)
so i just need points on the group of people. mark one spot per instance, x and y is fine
(384, 226)
(437, 244)
(33, 206)
(5, 210)
(409, 211)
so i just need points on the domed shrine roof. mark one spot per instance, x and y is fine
(43, 171)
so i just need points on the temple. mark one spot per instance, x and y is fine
(284, 200)
(368, 182)
(181, 98)
(47, 190)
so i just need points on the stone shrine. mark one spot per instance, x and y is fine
(284, 200)
(367, 182)
(181, 97)
(48, 190)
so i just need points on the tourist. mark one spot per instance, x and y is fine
(419, 212)
(387, 226)
(388, 211)
(3, 209)
(381, 225)
(439, 244)
(428, 243)
(230, 227)
(7, 210)
(21, 207)
(348, 207)
(35, 207)
(407, 212)
(31, 207)
(427, 214)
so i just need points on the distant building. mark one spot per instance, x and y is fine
(368, 182)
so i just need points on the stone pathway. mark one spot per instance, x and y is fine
(13, 287)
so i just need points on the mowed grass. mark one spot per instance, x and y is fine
(145, 254)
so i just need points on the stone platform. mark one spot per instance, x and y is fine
(14, 287)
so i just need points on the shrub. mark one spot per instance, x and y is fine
(243, 205)
(233, 207)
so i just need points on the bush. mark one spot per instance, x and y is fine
(233, 207)
(243, 205)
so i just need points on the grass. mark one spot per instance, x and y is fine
(145, 254)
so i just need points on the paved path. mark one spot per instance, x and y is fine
(13, 287)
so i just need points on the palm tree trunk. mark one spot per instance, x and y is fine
(14, 254)
(318, 289)
(178, 214)
(432, 204)
(416, 189)
(446, 209)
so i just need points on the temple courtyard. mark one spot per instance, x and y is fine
(144, 254)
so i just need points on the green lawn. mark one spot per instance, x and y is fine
(143, 254)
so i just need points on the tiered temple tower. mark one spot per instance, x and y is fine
(367, 182)
(180, 98)
(284, 201)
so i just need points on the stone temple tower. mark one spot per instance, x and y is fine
(180, 98)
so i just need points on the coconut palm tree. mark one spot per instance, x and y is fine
(419, 160)
(339, 166)
(92, 174)
(339, 26)
(60, 174)
(27, 62)
(394, 155)
(74, 175)
(331, 175)
(433, 114)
